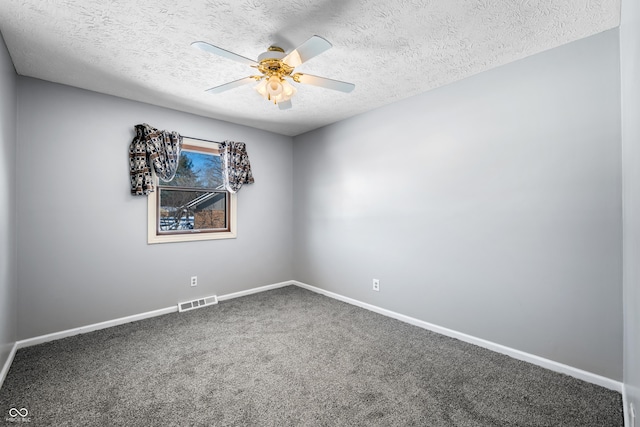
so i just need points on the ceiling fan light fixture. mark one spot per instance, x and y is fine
(287, 90)
(261, 88)
(275, 89)
(274, 86)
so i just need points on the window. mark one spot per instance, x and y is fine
(194, 205)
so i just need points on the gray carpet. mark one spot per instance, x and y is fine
(289, 357)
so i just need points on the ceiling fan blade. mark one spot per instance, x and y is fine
(285, 105)
(315, 45)
(231, 85)
(323, 82)
(222, 52)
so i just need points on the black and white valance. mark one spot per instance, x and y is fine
(235, 164)
(152, 148)
(160, 150)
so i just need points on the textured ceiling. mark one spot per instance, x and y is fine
(390, 49)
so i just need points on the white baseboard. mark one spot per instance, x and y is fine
(628, 421)
(516, 354)
(255, 290)
(93, 327)
(128, 319)
(7, 364)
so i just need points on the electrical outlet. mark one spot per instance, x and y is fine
(194, 280)
(376, 285)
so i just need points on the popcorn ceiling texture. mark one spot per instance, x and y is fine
(390, 49)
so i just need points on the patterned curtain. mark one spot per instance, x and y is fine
(152, 147)
(236, 166)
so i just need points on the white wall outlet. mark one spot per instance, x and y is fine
(194, 280)
(376, 285)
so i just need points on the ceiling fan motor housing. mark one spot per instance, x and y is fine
(273, 52)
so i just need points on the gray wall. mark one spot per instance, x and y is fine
(8, 281)
(630, 67)
(82, 251)
(490, 206)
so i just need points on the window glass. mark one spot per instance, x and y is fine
(194, 205)
(196, 169)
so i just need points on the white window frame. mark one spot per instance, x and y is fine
(152, 211)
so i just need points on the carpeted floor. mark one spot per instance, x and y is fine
(289, 357)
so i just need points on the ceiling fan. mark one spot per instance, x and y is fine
(276, 68)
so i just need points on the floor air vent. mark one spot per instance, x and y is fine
(197, 303)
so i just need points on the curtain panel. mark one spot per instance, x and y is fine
(155, 148)
(235, 161)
